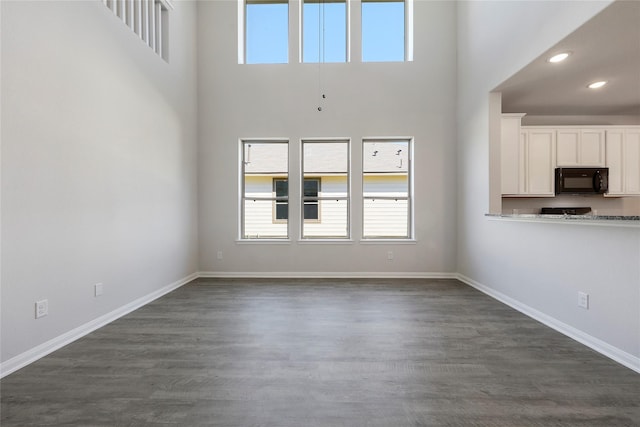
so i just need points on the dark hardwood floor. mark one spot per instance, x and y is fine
(323, 353)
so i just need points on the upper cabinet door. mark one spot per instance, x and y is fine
(510, 153)
(592, 147)
(623, 161)
(615, 161)
(580, 147)
(632, 162)
(541, 149)
(568, 147)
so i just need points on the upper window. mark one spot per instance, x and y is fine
(264, 190)
(149, 20)
(386, 186)
(324, 24)
(325, 209)
(266, 31)
(383, 30)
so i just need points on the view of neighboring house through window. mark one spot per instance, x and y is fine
(386, 184)
(383, 30)
(264, 190)
(325, 208)
(324, 24)
(311, 190)
(266, 31)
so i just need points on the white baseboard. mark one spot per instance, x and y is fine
(323, 275)
(614, 353)
(30, 356)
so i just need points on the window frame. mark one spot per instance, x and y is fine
(321, 196)
(408, 30)
(242, 190)
(410, 190)
(347, 47)
(243, 28)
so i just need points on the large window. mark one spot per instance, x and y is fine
(266, 31)
(386, 185)
(383, 30)
(325, 208)
(264, 190)
(324, 37)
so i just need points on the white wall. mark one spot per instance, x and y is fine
(539, 266)
(98, 165)
(363, 99)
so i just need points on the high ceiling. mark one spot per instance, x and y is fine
(607, 47)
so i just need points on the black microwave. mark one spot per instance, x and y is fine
(582, 180)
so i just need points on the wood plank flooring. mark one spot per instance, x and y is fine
(328, 353)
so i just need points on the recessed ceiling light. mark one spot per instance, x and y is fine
(559, 57)
(597, 85)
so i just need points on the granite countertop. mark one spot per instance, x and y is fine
(620, 220)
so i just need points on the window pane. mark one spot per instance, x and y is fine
(311, 210)
(326, 189)
(325, 31)
(265, 174)
(267, 32)
(386, 189)
(332, 223)
(311, 187)
(329, 160)
(282, 210)
(282, 189)
(383, 33)
(386, 168)
(258, 221)
(385, 218)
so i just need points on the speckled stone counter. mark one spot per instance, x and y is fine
(597, 220)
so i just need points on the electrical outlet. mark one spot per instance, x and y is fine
(98, 289)
(583, 300)
(390, 255)
(42, 308)
(219, 254)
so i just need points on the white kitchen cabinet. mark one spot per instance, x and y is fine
(540, 149)
(530, 163)
(623, 161)
(510, 153)
(580, 147)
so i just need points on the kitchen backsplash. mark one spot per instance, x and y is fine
(625, 206)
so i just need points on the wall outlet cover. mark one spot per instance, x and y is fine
(583, 300)
(42, 308)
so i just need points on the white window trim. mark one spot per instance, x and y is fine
(242, 31)
(411, 197)
(349, 200)
(301, 33)
(408, 31)
(240, 210)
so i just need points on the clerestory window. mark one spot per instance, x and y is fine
(266, 35)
